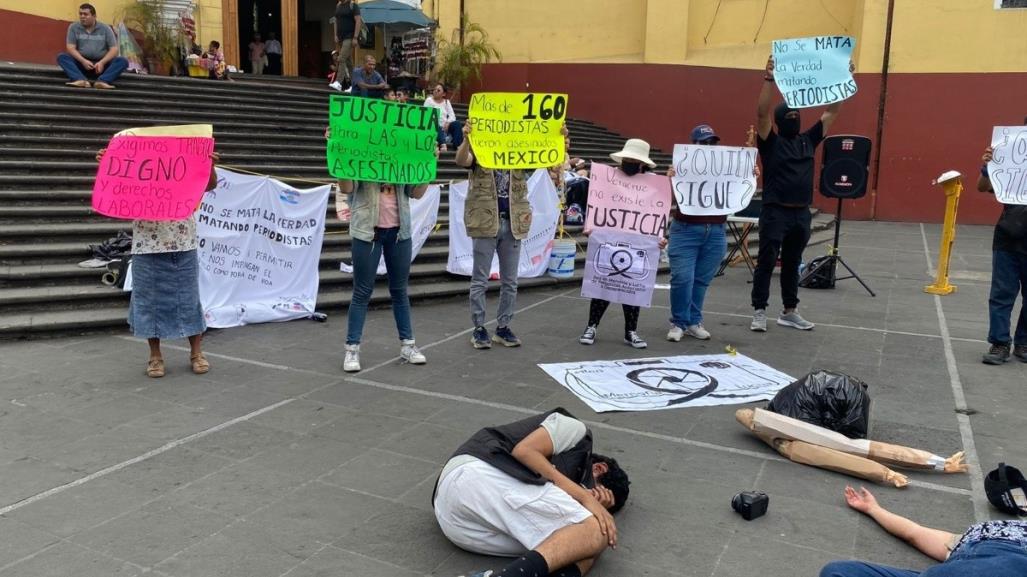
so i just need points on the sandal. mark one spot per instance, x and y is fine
(200, 364)
(155, 368)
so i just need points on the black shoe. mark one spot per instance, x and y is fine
(480, 338)
(506, 337)
(997, 355)
(1020, 352)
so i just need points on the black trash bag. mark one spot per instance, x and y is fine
(831, 400)
(822, 275)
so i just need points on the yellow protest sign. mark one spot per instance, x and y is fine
(197, 130)
(516, 130)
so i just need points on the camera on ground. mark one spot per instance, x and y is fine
(750, 504)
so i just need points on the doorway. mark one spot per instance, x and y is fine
(257, 17)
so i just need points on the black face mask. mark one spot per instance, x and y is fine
(786, 127)
(631, 168)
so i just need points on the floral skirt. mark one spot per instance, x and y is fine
(166, 296)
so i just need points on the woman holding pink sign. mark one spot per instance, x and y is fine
(633, 159)
(165, 302)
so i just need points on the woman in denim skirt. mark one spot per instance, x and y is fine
(165, 301)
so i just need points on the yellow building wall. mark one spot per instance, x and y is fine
(927, 35)
(207, 15)
(951, 36)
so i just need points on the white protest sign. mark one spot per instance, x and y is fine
(621, 267)
(814, 71)
(668, 382)
(535, 248)
(260, 245)
(713, 180)
(424, 214)
(1008, 167)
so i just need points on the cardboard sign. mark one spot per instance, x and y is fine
(621, 267)
(1008, 167)
(517, 130)
(814, 71)
(713, 180)
(381, 141)
(638, 204)
(152, 177)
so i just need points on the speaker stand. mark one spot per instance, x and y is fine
(833, 258)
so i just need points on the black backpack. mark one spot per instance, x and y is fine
(822, 276)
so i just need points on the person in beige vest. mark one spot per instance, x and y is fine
(497, 216)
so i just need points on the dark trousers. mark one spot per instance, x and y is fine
(784, 231)
(274, 64)
(1008, 278)
(454, 134)
(76, 71)
(577, 193)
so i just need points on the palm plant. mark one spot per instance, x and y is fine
(462, 56)
(161, 35)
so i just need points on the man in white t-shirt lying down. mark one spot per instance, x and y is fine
(534, 490)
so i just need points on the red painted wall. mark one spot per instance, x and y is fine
(933, 122)
(29, 38)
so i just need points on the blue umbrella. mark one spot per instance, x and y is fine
(391, 12)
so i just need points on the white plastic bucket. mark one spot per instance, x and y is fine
(561, 260)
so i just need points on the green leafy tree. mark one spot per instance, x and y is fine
(462, 56)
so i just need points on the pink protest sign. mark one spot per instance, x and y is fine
(638, 204)
(152, 177)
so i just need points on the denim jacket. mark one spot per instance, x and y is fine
(364, 209)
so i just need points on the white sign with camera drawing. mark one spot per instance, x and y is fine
(621, 267)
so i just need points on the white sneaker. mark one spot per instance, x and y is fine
(759, 321)
(675, 333)
(351, 364)
(410, 353)
(336, 85)
(795, 321)
(698, 331)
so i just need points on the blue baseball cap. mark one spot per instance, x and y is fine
(704, 132)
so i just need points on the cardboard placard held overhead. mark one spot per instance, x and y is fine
(515, 130)
(1008, 167)
(713, 180)
(814, 71)
(152, 177)
(381, 141)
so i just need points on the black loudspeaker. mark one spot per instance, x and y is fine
(846, 166)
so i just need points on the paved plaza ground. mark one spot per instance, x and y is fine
(277, 463)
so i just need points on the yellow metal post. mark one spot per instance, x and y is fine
(952, 183)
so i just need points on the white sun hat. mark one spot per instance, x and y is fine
(634, 149)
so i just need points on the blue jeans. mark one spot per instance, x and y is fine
(695, 252)
(365, 264)
(985, 558)
(76, 71)
(1008, 277)
(455, 132)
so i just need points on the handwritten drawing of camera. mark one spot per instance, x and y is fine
(622, 260)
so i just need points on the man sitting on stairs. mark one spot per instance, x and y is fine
(92, 50)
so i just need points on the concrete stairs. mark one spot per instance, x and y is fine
(49, 134)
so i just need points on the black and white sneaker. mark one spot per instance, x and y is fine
(637, 342)
(589, 336)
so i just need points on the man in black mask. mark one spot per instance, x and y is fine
(784, 227)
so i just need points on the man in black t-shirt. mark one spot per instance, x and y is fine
(784, 227)
(347, 26)
(1008, 277)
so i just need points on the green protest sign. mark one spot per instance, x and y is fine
(381, 141)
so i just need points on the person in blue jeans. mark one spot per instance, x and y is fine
(92, 49)
(1008, 278)
(989, 549)
(697, 245)
(379, 223)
